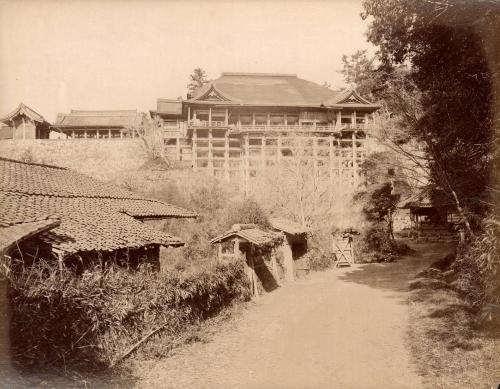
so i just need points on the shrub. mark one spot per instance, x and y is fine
(376, 245)
(478, 267)
(92, 319)
(319, 260)
(246, 211)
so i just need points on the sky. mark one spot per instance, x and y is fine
(110, 54)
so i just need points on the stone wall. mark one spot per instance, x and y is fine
(100, 158)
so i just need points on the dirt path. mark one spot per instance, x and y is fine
(344, 328)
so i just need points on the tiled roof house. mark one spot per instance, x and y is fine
(94, 216)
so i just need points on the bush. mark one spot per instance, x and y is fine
(478, 267)
(246, 211)
(377, 246)
(319, 260)
(92, 319)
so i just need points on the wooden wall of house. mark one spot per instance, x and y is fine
(24, 131)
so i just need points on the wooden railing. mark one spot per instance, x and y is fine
(280, 127)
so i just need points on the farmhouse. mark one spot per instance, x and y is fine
(113, 124)
(95, 218)
(242, 122)
(24, 123)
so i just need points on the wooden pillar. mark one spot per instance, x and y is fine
(109, 133)
(210, 153)
(354, 125)
(236, 248)
(330, 156)
(367, 118)
(239, 120)
(354, 157)
(73, 134)
(263, 151)
(279, 147)
(286, 250)
(315, 156)
(209, 116)
(226, 121)
(268, 119)
(177, 148)
(253, 118)
(189, 114)
(285, 117)
(226, 155)
(340, 161)
(96, 134)
(246, 164)
(194, 150)
(253, 275)
(60, 262)
(85, 134)
(339, 119)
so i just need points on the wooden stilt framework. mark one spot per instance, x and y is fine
(336, 155)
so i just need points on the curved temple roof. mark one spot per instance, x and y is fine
(267, 89)
(23, 109)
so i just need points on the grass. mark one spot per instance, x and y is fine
(450, 348)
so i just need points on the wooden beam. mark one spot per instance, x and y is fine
(210, 153)
(226, 155)
(195, 151)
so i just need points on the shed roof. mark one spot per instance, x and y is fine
(250, 233)
(23, 109)
(97, 119)
(94, 215)
(270, 89)
(288, 226)
(16, 233)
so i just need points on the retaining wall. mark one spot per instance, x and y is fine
(100, 158)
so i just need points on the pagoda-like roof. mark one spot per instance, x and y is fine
(97, 119)
(271, 89)
(24, 110)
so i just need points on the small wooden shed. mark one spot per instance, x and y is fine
(257, 248)
(293, 247)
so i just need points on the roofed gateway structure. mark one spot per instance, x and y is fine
(241, 122)
(95, 217)
(97, 124)
(25, 123)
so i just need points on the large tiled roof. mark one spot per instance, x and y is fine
(288, 226)
(11, 234)
(94, 215)
(250, 233)
(268, 89)
(23, 109)
(95, 119)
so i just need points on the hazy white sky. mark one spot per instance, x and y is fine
(62, 55)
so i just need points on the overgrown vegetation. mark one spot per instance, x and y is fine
(446, 315)
(93, 320)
